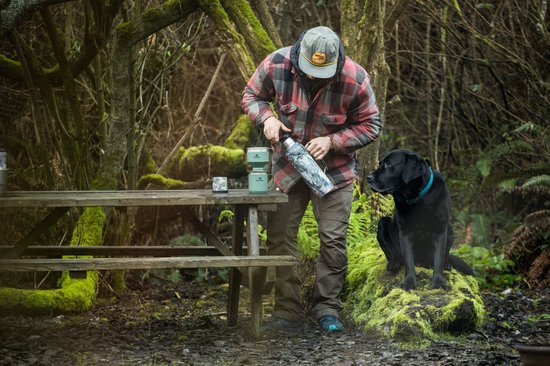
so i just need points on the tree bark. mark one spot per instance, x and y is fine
(267, 20)
(121, 119)
(363, 36)
(235, 42)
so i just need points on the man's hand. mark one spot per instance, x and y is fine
(319, 147)
(272, 126)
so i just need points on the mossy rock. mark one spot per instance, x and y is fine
(376, 302)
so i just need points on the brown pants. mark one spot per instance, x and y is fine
(332, 213)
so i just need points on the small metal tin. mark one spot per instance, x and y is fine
(219, 185)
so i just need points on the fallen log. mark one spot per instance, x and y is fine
(73, 295)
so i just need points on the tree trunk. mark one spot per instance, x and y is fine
(121, 119)
(267, 20)
(363, 36)
(235, 42)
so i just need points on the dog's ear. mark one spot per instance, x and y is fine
(429, 162)
(413, 168)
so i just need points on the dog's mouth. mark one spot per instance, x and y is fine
(380, 190)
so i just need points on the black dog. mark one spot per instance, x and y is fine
(420, 232)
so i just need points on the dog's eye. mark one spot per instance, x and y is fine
(386, 165)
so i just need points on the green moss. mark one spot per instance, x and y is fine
(104, 180)
(152, 14)
(74, 295)
(125, 28)
(243, 134)
(10, 66)
(227, 32)
(374, 299)
(209, 160)
(119, 281)
(241, 12)
(377, 303)
(149, 164)
(160, 181)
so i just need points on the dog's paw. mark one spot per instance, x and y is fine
(439, 283)
(409, 284)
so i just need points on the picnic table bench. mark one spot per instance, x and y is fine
(249, 266)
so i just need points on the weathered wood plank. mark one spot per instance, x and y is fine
(255, 274)
(235, 275)
(136, 198)
(26, 265)
(209, 235)
(116, 251)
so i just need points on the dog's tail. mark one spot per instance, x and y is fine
(460, 265)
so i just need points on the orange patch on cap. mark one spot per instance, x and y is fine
(318, 58)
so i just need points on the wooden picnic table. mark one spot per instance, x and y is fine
(251, 264)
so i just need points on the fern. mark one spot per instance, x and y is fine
(520, 169)
(538, 180)
(226, 214)
(517, 174)
(365, 213)
(538, 192)
(308, 236)
(532, 128)
(507, 185)
(486, 164)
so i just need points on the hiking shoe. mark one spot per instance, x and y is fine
(331, 324)
(283, 326)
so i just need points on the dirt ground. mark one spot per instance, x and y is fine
(184, 324)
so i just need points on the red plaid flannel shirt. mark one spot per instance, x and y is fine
(345, 110)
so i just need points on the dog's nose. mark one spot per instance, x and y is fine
(370, 178)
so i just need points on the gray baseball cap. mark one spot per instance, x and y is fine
(319, 52)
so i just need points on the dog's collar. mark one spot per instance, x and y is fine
(424, 190)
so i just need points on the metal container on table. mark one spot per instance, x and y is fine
(258, 182)
(258, 159)
(219, 185)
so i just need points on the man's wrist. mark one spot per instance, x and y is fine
(265, 117)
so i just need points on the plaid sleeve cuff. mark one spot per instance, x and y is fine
(262, 117)
(336, 142)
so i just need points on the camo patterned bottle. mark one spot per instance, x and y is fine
(304, 163)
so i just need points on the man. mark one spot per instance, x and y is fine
(326, 102)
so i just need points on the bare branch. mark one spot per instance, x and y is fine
(18, 9)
